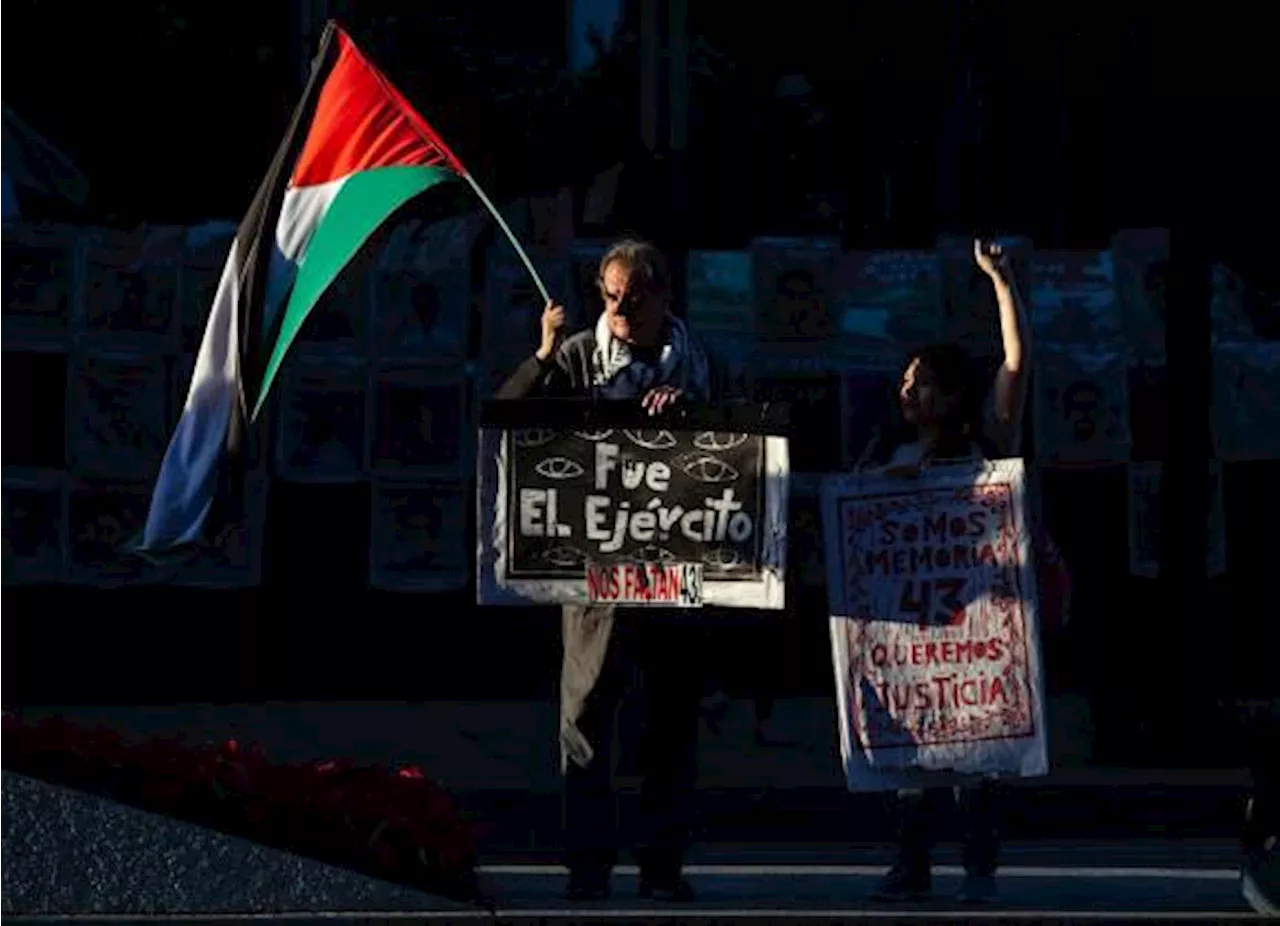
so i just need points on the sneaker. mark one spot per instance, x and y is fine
(977, 889)
(904, 883)
(677, 891)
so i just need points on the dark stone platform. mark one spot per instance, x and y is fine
(68, 852)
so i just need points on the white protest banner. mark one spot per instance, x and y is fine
(934, 625)
(576, 507)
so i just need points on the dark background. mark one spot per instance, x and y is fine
(1062, 123)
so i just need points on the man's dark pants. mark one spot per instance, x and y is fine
(605, 651)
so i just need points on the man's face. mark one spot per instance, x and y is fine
(635, 314)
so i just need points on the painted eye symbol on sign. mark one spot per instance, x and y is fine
(534, 437)
(564, 557)
(706, 468)
(722, 557)
(651, 553)
(559, 468)
(593, 435)
(713, 440)
(652, 440)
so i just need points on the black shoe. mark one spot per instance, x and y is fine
(588, 886)
(677, 891)
(905, 882)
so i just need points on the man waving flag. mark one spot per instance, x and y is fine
(355, 152)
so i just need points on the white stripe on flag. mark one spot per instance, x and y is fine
(188, 476)
(301, 212)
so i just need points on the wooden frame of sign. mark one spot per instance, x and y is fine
(130, 288)
(232, 558)
(128, 393)
(571, 490)
(307, 379)
(42, 269)
(418, 537)
(411, 437)
(35, 513)
(103, 516)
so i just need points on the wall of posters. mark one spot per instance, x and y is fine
(555, 502)
(1073, 298)
(1144, 521)
(118, 413)
(35, 508)
(130, 286)
(934, 628)
(816, 412)
(419, 537)
(420, 294)
(793, 284)
(321, 433)
(104, 516)
(1081, 408)
(888, 302)
(420, 422)
(1246, 418)
(720, 296)
(1141, 255)
(40, 271)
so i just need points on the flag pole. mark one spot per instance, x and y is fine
(502, 223)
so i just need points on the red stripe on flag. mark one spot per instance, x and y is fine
(362, 122)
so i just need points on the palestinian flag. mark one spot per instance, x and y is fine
(354, 153)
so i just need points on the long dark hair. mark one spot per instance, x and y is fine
(954, 371)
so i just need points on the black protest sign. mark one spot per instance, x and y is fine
(703, 497)
(626, 495)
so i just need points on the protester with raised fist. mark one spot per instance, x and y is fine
(949, 414)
